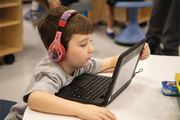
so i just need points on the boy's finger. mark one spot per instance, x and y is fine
(146, 45)
(103, 116)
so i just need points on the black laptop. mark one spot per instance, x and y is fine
(101, 90)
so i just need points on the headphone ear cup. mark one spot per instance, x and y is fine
(62, 54)
(56, 49)
(57, 54)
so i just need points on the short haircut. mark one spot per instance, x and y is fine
(48, 25)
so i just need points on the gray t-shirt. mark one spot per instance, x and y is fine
(50, 77)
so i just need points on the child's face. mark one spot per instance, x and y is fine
(80, 50)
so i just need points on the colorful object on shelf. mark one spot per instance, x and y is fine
(169, 88)
(177, 78)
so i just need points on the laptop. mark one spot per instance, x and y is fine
(101, 90)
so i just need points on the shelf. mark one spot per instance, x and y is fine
(6, 23)
(10, 39)
(5, 50)
(10, 27)
(5, 4)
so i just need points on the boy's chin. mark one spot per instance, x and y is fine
(86, 63)
(83, 65)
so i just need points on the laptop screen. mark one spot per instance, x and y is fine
(125, 74)
(125, 70)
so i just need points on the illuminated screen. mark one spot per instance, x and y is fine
(126, 70)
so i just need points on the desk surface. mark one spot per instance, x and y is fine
(142, 100)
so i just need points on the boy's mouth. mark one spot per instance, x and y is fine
(89, 58)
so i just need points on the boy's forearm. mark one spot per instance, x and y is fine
(44, 102)
(109, 63)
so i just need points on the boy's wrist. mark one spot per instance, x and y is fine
(114, 61)
(77, 108)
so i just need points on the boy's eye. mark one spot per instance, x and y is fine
(83, 45)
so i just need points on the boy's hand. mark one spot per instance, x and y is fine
(92, 112)
(146, 52)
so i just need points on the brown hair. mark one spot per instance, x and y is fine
(48, 25)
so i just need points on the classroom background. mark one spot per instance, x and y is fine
(21, 48)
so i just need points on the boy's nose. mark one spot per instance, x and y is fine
(91, 49)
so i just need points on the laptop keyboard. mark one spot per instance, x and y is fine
(91, 90)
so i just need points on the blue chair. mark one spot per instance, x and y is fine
(5, 106)
(132, 33)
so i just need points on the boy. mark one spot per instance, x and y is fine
(66, 61)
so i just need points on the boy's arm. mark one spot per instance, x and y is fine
(111, 62)
(45, 102)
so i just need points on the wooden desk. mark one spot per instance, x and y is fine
(142, 100)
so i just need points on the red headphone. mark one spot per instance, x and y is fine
(56, 50)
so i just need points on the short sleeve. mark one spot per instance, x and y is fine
(47, 82)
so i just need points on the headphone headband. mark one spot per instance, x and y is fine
(65, 16)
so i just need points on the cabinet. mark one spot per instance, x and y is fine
(10, 29)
